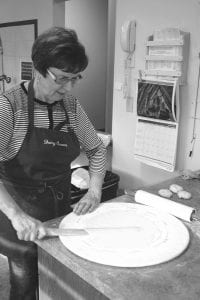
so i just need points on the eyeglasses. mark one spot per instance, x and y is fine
(62, 80)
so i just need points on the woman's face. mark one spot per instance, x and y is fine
(57, 84)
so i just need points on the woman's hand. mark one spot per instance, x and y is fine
(27, 228)
(88, 203)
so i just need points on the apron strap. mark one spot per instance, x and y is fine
(66, 121)
(30, 105)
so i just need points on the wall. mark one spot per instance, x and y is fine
(11, 10)
(89, 19)
(151, 15)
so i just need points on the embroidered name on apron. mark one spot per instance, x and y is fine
(52, 143)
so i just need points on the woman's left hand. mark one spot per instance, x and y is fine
(88, 203)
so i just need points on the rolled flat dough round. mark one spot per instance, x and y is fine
(142, 236)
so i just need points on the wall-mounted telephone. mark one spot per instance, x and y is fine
(128, 33)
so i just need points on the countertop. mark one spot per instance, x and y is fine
(176, 279)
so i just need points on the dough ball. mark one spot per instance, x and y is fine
(165, 193)
(175, 188)
(184, 195)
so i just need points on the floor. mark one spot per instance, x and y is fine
(4, 278)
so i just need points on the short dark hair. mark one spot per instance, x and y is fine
(60, 48)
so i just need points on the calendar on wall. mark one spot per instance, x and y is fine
(157, 123)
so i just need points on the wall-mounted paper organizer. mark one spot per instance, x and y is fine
(167, 53)
(158, 108)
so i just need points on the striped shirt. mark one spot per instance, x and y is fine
(14, 125)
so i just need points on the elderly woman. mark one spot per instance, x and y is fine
(42, 127)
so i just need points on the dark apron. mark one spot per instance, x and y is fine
(39, 177)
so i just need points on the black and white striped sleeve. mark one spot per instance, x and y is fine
(90, 142)
(6, 126)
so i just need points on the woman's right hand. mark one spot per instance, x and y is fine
(27, 228)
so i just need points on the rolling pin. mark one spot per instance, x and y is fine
(179, 210)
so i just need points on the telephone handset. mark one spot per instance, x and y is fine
(128, 33)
